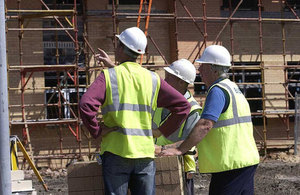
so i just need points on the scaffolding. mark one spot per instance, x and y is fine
(175, 19)
(26, 72)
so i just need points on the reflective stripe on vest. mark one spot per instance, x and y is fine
(236, 119)
(140, 132)
(229, 144)
(194, 103)
(129, 102)
(116, 106)
(160, 117)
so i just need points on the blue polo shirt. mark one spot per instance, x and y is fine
(217, 101)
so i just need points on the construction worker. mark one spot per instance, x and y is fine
(179, 75)
(128, 95)
(224, 134)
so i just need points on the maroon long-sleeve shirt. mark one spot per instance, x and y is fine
(168, 98)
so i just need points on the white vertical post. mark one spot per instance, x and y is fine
(5, 177)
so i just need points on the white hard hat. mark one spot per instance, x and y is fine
(182, 69)
(215, 54)
(134, 38)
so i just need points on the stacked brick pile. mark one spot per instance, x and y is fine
(86, 177)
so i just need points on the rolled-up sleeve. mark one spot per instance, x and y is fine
(90, 103)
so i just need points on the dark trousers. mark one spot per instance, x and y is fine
(233, 182)
(121, 174)
(189, 185)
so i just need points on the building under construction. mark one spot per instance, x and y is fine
(51, 46)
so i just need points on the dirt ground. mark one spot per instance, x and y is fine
(278, 173)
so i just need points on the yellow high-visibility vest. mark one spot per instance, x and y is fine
(131, 98)
(189, 160)
(158, 120)
(230, 143)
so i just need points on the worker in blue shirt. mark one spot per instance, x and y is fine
(224, 133)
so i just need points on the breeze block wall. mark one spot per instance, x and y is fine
(86, 177)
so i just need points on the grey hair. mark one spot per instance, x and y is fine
(221, 70)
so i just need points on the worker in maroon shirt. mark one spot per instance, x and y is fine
(128, 95)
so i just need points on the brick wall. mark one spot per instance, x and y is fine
(246, 48)
(86, 177)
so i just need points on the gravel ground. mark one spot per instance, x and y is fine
(277, 174)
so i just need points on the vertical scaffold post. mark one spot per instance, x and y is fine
(297, 126)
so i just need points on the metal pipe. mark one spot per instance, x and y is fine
(5, 175)
(176, 32)
(191, 17)
(41, 11)
(286, 92)
(226, 23)
(231, 40)
(140, 11)
(146, 27)
(39, 29)
(115, 25)
(157, 48)
(262, 75)
(296, 127)
(204, 26)
(57, 20)
(76, 78)
(292, 10)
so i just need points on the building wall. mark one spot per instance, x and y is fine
(246, 48)
(32, 54)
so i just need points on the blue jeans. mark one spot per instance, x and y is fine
(120, 173)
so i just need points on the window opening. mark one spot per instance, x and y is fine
(251, 87)
(294, 82)
(246, 5)
(127, 2)
(54, 41)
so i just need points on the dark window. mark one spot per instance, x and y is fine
(294, 4)
(51, 78)
(246, 5)
(67, 96)
(127, 2)
(250, 87)
(199, 88)
(294, 82)
(53, 111)
(64, 4)
(59, 49)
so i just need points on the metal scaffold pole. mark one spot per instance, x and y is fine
(5, 177)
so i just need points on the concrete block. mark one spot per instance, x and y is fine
(166, 177)
(158, 164)
(76, 184)
(23, 185)
(17, 175)
(164, 163)
(175, 177)
(25, 193)
(158, 178)
(82, 178)
(82, 169)
(173, 163)
(87, 192)
(168, 190)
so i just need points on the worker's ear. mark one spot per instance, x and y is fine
(183, 83)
